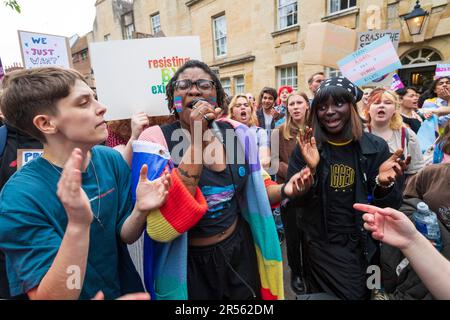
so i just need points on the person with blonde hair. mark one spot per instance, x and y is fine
(242, 110)
(385, 120)
(297, 106)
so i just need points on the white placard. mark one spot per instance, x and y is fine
(131, 75)
(44, 50)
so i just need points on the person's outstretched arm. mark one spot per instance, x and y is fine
(396, 229)
(139, 122)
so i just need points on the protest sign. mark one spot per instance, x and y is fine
(396, 83)
(24, 156)
(326, 43)
(371, 62)
(442, 70)
(131, 75)
(367, 37)
(44, 50)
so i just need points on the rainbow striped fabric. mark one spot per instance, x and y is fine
(165, 245)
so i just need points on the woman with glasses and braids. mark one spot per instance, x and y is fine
(215, 237)
(348, 165)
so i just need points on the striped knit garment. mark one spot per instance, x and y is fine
(165, 243)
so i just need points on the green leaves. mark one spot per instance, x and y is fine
(13, 5)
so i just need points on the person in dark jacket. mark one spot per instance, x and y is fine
(348, 166)
(15, 140)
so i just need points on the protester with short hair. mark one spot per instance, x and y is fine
(409, 104)
(348, 165)
(314, 83)
(65, 217)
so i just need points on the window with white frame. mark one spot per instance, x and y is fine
(339, 5)
(226, 85)
(287, 13)
(331, 72)
(220, 35)
(287, 76)
(128, 25)
(156, 23)
(239, 85)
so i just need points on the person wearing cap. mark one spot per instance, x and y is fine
(348, 165)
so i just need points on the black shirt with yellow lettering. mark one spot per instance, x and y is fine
(341, 184)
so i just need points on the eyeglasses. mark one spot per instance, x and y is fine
(202, 85)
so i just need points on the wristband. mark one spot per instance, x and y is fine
(377, 181)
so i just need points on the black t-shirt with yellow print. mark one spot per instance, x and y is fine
(341, 186)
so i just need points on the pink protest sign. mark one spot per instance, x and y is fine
(370, 62)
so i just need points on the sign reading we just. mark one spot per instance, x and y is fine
(131, 75)
(370, 62)
(44, 50)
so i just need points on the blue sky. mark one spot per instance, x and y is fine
(59, 17)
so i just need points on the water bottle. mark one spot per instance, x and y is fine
(426, 222)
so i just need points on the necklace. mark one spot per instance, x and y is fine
(97, 197)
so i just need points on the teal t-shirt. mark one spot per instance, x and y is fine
(33, 222)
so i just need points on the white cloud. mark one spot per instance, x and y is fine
(59, 17)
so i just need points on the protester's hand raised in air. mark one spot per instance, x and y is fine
(388, 225)
(392, 168)
(152, 194)
(139, 122)
(299, 184)
(70, 193)
(308, 148)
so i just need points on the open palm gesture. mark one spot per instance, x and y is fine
(308, 148)
(152, 194)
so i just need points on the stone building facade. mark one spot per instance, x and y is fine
(257, 43)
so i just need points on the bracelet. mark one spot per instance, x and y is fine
(377, 181)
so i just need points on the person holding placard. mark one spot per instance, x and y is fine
(65, 217)
(347, 165)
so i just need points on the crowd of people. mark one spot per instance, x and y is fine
(342, 166)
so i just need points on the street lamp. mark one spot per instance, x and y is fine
(415, 19)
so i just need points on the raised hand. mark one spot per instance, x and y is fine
(388, 225)
(70, 193)
(152, 194)
(308, 148)
(299, 184)
(139, 122)
(392, 168)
